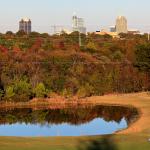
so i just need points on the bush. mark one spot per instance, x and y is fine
(9, 92)
(85, 91)
(40, 91)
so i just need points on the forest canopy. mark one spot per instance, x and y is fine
(41, 65)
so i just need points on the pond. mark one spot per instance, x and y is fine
(69, 121)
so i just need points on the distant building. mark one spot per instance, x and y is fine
(65, 31)
(78, 24)
(59, 30)
(134, 32)
(112, 29)
(121, 25)
(25, 25)
(112, 34)
(106, 32)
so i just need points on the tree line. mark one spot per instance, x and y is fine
(42, 65)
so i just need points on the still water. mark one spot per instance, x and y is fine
(71, 121)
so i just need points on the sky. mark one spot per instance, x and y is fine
(98, 14)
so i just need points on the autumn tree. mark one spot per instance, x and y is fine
(143, 57)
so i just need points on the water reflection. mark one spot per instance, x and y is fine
(89, 120)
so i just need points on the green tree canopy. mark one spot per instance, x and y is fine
(143, 57)
(9, 92)
(40, 91)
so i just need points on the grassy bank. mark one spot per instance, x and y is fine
(135, 137)
(115, 142)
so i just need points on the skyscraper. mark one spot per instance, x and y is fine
(121, 25)
(78, 24)
(25, 25)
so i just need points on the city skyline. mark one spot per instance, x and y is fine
(103, 15)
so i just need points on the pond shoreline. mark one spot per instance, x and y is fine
(126, 100)
(135, 100)
(58, 103)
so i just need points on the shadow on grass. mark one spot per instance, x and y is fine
(103, 143)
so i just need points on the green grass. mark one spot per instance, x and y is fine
(138, 141)
(114, 142)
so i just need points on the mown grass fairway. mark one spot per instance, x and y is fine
(116, 142)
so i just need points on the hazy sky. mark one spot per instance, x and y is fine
(98, 14)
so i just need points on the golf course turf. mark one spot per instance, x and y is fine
(136, 136)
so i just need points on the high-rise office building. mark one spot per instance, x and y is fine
(121, 25)
(78, 24)
(25, 25)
